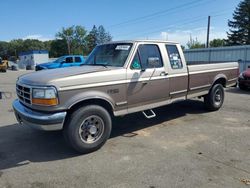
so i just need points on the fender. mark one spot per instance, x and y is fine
(80, 97)
(220, 76)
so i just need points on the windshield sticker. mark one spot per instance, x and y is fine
(122, 47)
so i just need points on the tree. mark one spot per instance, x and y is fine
(97, 36)
(3, 48)
(79, 41)
(194, 44)
(91, 39)
(102, 35)
(239, 32)
(217, 43)
(67, 34)
(32, 44)
(58, 48)
(75, 37)
(15, 47)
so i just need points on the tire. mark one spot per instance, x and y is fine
(242, 87)
(88, 128)
(215, 98)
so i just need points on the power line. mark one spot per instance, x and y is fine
(182, 22)
(153, 15)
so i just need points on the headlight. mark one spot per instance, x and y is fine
(44, 96)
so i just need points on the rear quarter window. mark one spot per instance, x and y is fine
(174, 57)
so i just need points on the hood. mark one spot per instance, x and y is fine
(48, 65)
(46, 76)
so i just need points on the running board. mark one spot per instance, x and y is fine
(149, 115)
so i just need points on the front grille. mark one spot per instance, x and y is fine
(23, 93)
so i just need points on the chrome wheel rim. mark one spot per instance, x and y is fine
(218, 97)
(91, 129)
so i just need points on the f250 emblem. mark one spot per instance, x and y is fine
(113, 91)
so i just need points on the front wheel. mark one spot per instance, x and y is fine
(88, 128)
(215, 98)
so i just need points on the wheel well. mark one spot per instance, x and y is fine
(221, 81)
(100, 102)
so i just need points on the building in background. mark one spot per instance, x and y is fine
(240, 54)
(29, 59)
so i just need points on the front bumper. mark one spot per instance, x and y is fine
(38, 120)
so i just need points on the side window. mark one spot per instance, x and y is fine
(69, 60)
(78, 60)
(144, 52)
(174, 57)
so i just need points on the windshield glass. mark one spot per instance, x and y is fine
(59, 60)
(109, 54)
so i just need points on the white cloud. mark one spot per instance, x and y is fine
(183, 36)
(38, 37)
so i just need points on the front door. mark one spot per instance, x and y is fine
(148, 85)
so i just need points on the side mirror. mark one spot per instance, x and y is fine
(153, 62)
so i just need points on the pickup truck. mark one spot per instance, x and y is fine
(64, 61)
(117, 78)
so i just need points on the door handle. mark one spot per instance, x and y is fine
(163, 74)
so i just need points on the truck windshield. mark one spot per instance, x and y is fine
(59, 60)
(109, 55)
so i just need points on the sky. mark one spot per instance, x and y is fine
(124, 20)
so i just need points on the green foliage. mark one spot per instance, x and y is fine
(217, 43)
(58, 48)
(192, 44)
(3, 48)
(239, 32)
(75, 38)
(70, 40)
(97, 36)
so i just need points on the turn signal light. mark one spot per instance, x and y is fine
(45, 102)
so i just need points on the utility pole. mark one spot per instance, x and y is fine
(208, 31)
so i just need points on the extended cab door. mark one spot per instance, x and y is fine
(148, 85)
(178, 74)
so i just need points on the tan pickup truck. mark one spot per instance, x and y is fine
(118, 78)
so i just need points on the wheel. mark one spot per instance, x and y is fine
(242, 87)
(88, 128)
(215, 98)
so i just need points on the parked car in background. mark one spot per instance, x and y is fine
(244, 79)
(61, 62)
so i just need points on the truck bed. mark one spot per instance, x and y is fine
(202, 76)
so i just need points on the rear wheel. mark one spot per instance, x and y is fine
(88, 128)
(215, 98)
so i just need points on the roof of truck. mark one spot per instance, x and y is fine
(153, 41)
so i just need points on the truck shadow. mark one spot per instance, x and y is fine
(22, 145)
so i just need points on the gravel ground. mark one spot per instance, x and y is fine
(184, 146)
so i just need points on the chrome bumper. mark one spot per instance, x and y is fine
(38, 120)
